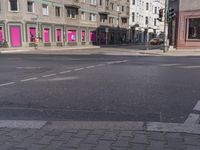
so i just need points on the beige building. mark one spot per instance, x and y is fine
(63, 22)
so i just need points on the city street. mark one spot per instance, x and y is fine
(98, 87)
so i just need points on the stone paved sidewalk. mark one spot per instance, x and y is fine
(60, 138)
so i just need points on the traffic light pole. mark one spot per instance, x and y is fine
(166, 43)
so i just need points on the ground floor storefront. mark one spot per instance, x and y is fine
(141, 35)
(188, 35)
(18, 34)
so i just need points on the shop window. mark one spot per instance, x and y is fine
(1, 34)
(46, 35)
(58, 35)
(83, 36)
(32, 34)
(194, 28)
(92, 36)
(71, 35)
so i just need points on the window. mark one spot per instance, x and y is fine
(58, 35)
(92, 17)
(45, 10)
(100, 2)
(155, 11)
(117, 7)
(71, 13)
(103, 18)
(147, 6)
(155, 22)
(57, 11)
(112, 6)
(146, 21)
(71, 35)
(93, 2)
(32, 34)
(124, 20)
(133, 2)
(83, 36)
(133, 17)
(1, 34)
(92, 36)
(30, 5)
(13, 5)
(194, 28)
(122, 8)
(111, 20)
(82, 15)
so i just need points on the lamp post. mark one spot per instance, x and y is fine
(166, 43)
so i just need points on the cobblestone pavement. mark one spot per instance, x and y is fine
(95, 139)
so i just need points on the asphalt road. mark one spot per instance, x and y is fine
(98, 87)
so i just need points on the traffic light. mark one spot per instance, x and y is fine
(171, 14)
(160, 15)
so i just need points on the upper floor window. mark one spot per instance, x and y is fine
(147, 6)
(71, 13)
(133, 2)
(13, 5)
(57, 11)
(133, 17)
(93, 2)
(122, 8)
(93, 17)
(82, 15)
(30, 6)
(45, 9)
(100, 2)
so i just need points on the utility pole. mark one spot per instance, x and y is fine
(166, 42)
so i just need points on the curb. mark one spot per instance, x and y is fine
(102, 125)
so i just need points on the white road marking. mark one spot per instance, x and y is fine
(49, 75)
(168, 65)
(29, 79)
(99, 65)
(190, 67)
(89, 67)
(63, 72)
(192, 119)
(5, 84)
(78, 69)
(28, 67)
(197, 106)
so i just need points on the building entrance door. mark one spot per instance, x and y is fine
(15, 36)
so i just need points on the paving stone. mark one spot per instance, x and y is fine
(86, 147)
(157, 136)
(71, 131)
(64, 136)
(191, 140)
(122, 142)
(92, 139)
(82, 133)
(174, 135)
(7, 145)
(120, 148)
(73, 143)
(98, 132)
(36, 147)
(138, 147)
(140, 138)
(26, 143)
(45, 140)
(109, 136)
(104, 145)
(40, 133)
(175, 143)
(126, 134)
(54, 145)
(156, 145)
(55, 132)
(190, 147)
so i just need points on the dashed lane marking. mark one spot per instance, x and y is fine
(193, 119)
(78, 69)
(49, 75)
(89, 67)
(5, 84)
(99, 65)
(63, 72)
(29, 79)
(197, 106)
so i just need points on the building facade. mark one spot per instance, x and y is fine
(188, 24)
(63, 22)
(143, 21)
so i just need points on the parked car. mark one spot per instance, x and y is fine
(156, 41)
